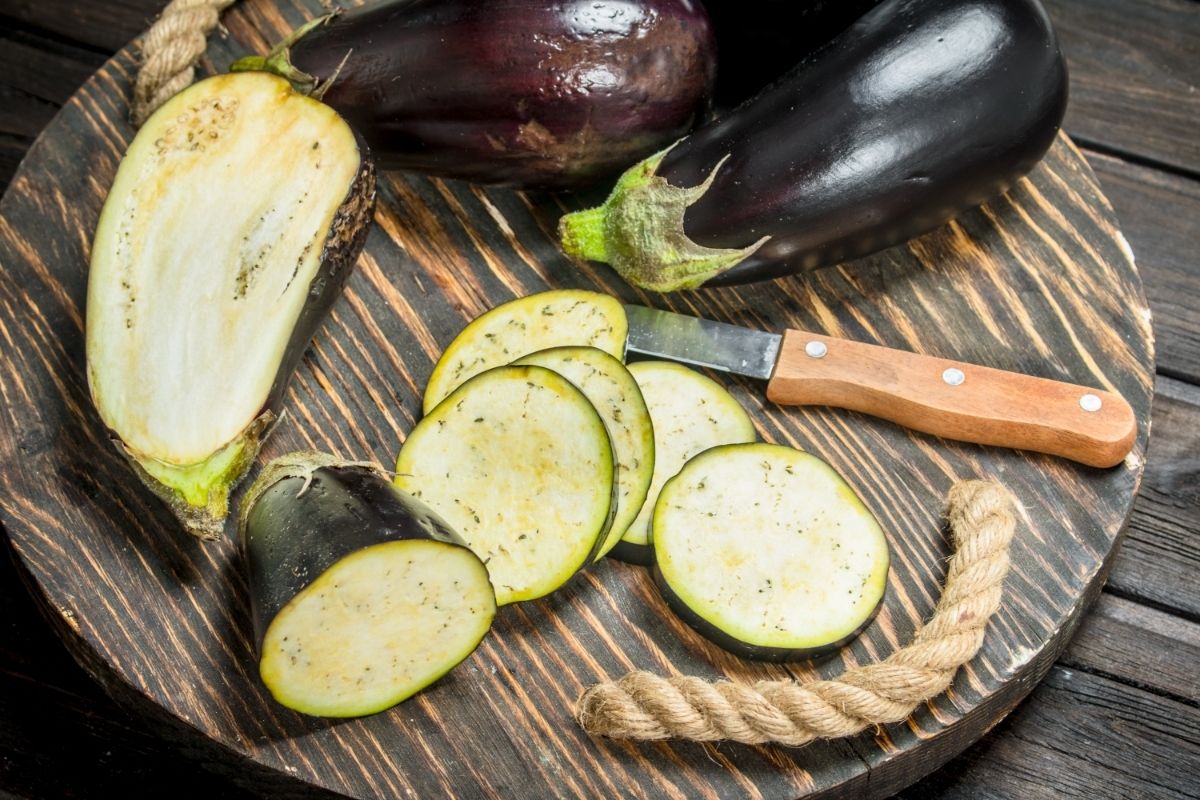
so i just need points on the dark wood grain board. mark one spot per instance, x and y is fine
(1038, 281)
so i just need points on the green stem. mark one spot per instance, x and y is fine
(639, 231)
(279, 60)
(583, 234)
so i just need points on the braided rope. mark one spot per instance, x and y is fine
(642, 705)
(170, 50)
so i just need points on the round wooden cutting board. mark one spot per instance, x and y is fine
(1039, 281)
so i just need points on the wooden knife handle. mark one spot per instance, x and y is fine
(954, 400)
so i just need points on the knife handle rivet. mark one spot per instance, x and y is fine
(954, 376)
(816, 349)
(1090, 402)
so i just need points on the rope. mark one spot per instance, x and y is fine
(170, 50)
(642, 705)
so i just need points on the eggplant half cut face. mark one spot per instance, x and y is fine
(235, 217)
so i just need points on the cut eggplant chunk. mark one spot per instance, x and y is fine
(690, 413)
(610, 387)
(519, 327)
(519, 463)
(767, 552)
(235, 217)
(361, 595)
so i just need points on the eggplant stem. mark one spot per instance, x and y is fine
(279, 60)
(321, 87)
(639, 231)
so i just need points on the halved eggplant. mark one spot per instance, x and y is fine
(614, 392)
(690, 413)
(767, 552)
(361, 595)
(523, 326)
(523, 92)
(235, 216)
(519, 462)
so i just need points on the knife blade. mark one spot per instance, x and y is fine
(943, 397)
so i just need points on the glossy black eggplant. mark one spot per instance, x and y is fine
(756, 47)
(546, 93)
(918, 111)
(360, 594)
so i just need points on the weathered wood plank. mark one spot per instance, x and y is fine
(1135, 76)
(1159, 213)
(105, 27)
(1160, 558)
(1079, 736)
(61, 735)
(1140, 646)
(37, 75)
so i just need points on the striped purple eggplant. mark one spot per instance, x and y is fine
(517, 92)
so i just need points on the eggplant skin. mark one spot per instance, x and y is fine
(746, 649)
(918, 111)
(531, 93)
(765, 44)
(288, 514)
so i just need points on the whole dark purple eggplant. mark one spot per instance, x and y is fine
(918, 111)
(548, 93)
(755, 48)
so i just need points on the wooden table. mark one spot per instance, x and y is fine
(1117, 716)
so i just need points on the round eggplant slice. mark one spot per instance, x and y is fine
(767, 552)
(690, 413)
(519, 462)
(519, 327)
(361, 596)
(610, 387)
(236, 214)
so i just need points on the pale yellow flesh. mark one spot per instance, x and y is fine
(206, 248)
(690, 414)
(519, 464)
(771, 546)
(610, 387)
(376, 628)
(519, 327)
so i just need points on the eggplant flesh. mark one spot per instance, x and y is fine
(361, 596)
(689, 413)
(520, 463)
(920, 110)
(235, 217)
(767, 552)
(518, 92)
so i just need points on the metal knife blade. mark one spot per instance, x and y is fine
(701, 342)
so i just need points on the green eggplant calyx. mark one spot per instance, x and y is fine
(279, 60)
(199, 493)
(639, 231)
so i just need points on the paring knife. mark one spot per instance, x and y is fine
(946, 398)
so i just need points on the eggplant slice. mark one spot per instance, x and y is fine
(612, 389)
(519, 327)
(361, 595)
(519, 463)
(235, 216)
(767, 552)
(690, 413)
